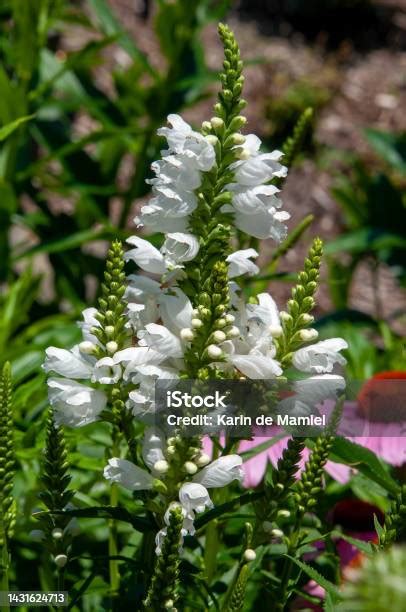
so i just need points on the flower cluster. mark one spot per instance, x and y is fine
(193, 496)
(188, 317)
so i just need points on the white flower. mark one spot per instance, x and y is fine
(182, 139)
(321, 356)
(89, 321)
(128, 475)
(175, 310)
(142, 400)
(134, 357)
(256, 366)
(194, 497)
(145, 255)
(259, 167)
(106, 371)
(257, 211)
(221, 472)
(179, 248)
(153, 447)
(316, 389)
(75, 404)
(240, 263)
(159, 338)
(71, 364)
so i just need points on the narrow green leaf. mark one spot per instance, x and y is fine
(317, 577)
(11, 127)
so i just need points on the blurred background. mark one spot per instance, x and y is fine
(84, 87)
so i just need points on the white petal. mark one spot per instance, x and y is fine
(256, 367)
(128, 475)
(175, 310)
(106, 371)
(221, 472)
(194, 497)
(145, 255)
(320, 357)
(179, 248)
(75, 404)
(240, 263)
(68, 363)
(160, 339)
(152, 446)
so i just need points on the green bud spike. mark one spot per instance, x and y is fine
(111, 303)
(395, 520)
(165, 580)
(293, 145)
(300, 305)
(7, 461)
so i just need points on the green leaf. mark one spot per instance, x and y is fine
(364, 460)
(391, 147)
(317, 577)
(229, 506)
(363, 546)
(11, 127)
(378, 527)
(117, 513)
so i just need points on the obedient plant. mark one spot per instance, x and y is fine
(184, 316)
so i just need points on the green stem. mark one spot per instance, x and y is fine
(4, 584)
(113, 548)
(210, 550)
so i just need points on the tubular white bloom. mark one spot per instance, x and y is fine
(89, 321)
(152, 446)
(259, 167)
(182, 139)
(179, 248)
(160, 339)
(256, 366)
(146, 256)
(316, 389)
(221, 472)
(142, 400)
(72, 364)
(240, 263)
(75, 405)
(136, 356)
(194, 497)
(266, 311)
(175, 310)
(178, 171)
(128, 475)
(321, 356)
(106, 371)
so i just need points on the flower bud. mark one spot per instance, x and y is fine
(233, 332)
(112, 347)
(171, 450)
(196, 323)
(57, 533)
(61, 560)
(221, 322)
(276, 331)
(306, 318)
(217, 123)
(214, 351)
(187, 334)
(195, 312)
(190, 467)
(168, 605)
(206, 126)
(212, 139)
(285, 316)
(308, 334)
(250, 555)
(161, 466)
(267, 526)
(219, 336)
(109, 329)
(86, 347)
(202, 460)
(242, 153)
(230, 318)
(237, 138)
(283, 513)
(277, 533)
